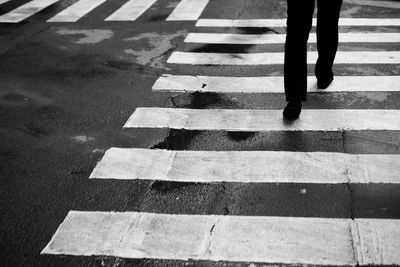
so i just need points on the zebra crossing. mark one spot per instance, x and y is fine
(186, 10)
(25, 11)
(264, 120)
(131, 10)
(226, 38)
(283, 240)
(270, 84)
(247, 166)
(271, 23)
(276, 58)
(76, 11)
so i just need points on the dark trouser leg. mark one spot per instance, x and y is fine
(299, 23)
(327, 36)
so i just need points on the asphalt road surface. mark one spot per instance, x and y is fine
(322, 191)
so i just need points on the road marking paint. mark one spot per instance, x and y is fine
(264, 120)
(285, 240)
(256, 23)
(188, 10)
(76, 11)
(272, 84)
(226, 38)
(378, 241)
(282, 22)
(25, 11)
(247, 166)
(131, 10)
(342, 57)
(380, 3)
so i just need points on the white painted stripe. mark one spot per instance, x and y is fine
(264, 120)
(380, 3)
(76, 11)
(4, 1)
(226, 38)
(25, 11)
(377, 241)
(253, 23)
(274, 84)
(247, 166)
(284, 240)
(131, 10)
(282, 22)
(188, 10)
(342, 57)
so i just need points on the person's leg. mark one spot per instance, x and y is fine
(327, 39)
(299, 22)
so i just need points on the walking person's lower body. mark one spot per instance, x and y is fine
(299, 23)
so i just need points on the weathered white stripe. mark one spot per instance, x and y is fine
(25, 11)
(377, 241)
(380, 3)
(237, 23)
(226, 38)
(272, 84)
(282, 22)
(76, 11)
(247, 166)
(342, 57)
(285, 240)
(131, 10)
(264, 120)
(188, 10)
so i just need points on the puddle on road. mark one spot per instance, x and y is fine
(158, 45)
(181, 139)
(89, 36)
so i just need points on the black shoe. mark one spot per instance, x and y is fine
(324, 83)
(292, 110)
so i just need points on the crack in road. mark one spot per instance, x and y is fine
(353, 232)
(211, 232)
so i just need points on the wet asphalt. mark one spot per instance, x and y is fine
(66, 90)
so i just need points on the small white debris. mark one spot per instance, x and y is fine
(83, 138)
